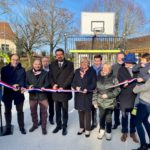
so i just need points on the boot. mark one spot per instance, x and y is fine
(134, 137)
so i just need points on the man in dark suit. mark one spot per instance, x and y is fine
(45, 64)
(62, 72)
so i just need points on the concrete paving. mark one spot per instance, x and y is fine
(72, 141)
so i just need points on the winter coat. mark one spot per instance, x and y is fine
(126, 96)
(13, 75)
(115, 68)
(84, 101)
(62, 77)
(143, 72)
(103, 87)
(144, 91)
(38, 81)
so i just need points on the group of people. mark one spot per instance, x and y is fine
(96, 88)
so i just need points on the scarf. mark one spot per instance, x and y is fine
(36, 72)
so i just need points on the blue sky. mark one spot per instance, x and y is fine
(77, 6)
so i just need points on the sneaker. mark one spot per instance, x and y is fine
(108, 136)
(101, 134)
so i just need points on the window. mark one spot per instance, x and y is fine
(5, 47)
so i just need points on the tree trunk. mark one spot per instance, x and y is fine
(51, 49)
(29, 56)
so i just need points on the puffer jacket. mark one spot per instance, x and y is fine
(103, 87)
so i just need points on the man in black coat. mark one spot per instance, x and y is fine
(127, 97)
(45, 65)
(13, 74)
(62, 72)
(115, 67)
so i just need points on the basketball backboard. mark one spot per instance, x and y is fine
(93, 23)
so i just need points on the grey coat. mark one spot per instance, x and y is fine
(143, 72)
(144, 91)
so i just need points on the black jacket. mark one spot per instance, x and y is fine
(13, 75)
(126, 96)
(84, 101)
(62, 77)
(37, 82)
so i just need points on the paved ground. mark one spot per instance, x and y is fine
(37, 141)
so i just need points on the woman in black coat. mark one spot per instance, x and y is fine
(85, 81)
(127, 97)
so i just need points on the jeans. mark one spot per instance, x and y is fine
(142, 118)
(105, 116)
(125, 121)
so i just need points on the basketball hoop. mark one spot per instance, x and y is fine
(98, 31)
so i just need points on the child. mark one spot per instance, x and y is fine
(104, 98)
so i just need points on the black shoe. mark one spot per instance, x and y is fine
(33, 128)
(93, 126)
(64, 131)
(22, 130)
(7, 131)
(39, 123)
(87, 134)
(56, 129)
(44, 131)
(148, 145)
(115, 126)
(142, 147)
(80, 132)
(51, 121)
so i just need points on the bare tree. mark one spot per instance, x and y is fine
(5, 6)
(58, 21)
(29, 32)
(129, 16)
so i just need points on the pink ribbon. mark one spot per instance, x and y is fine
(66, 90)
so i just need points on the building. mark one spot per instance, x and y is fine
(138, 45)
(7, 37)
